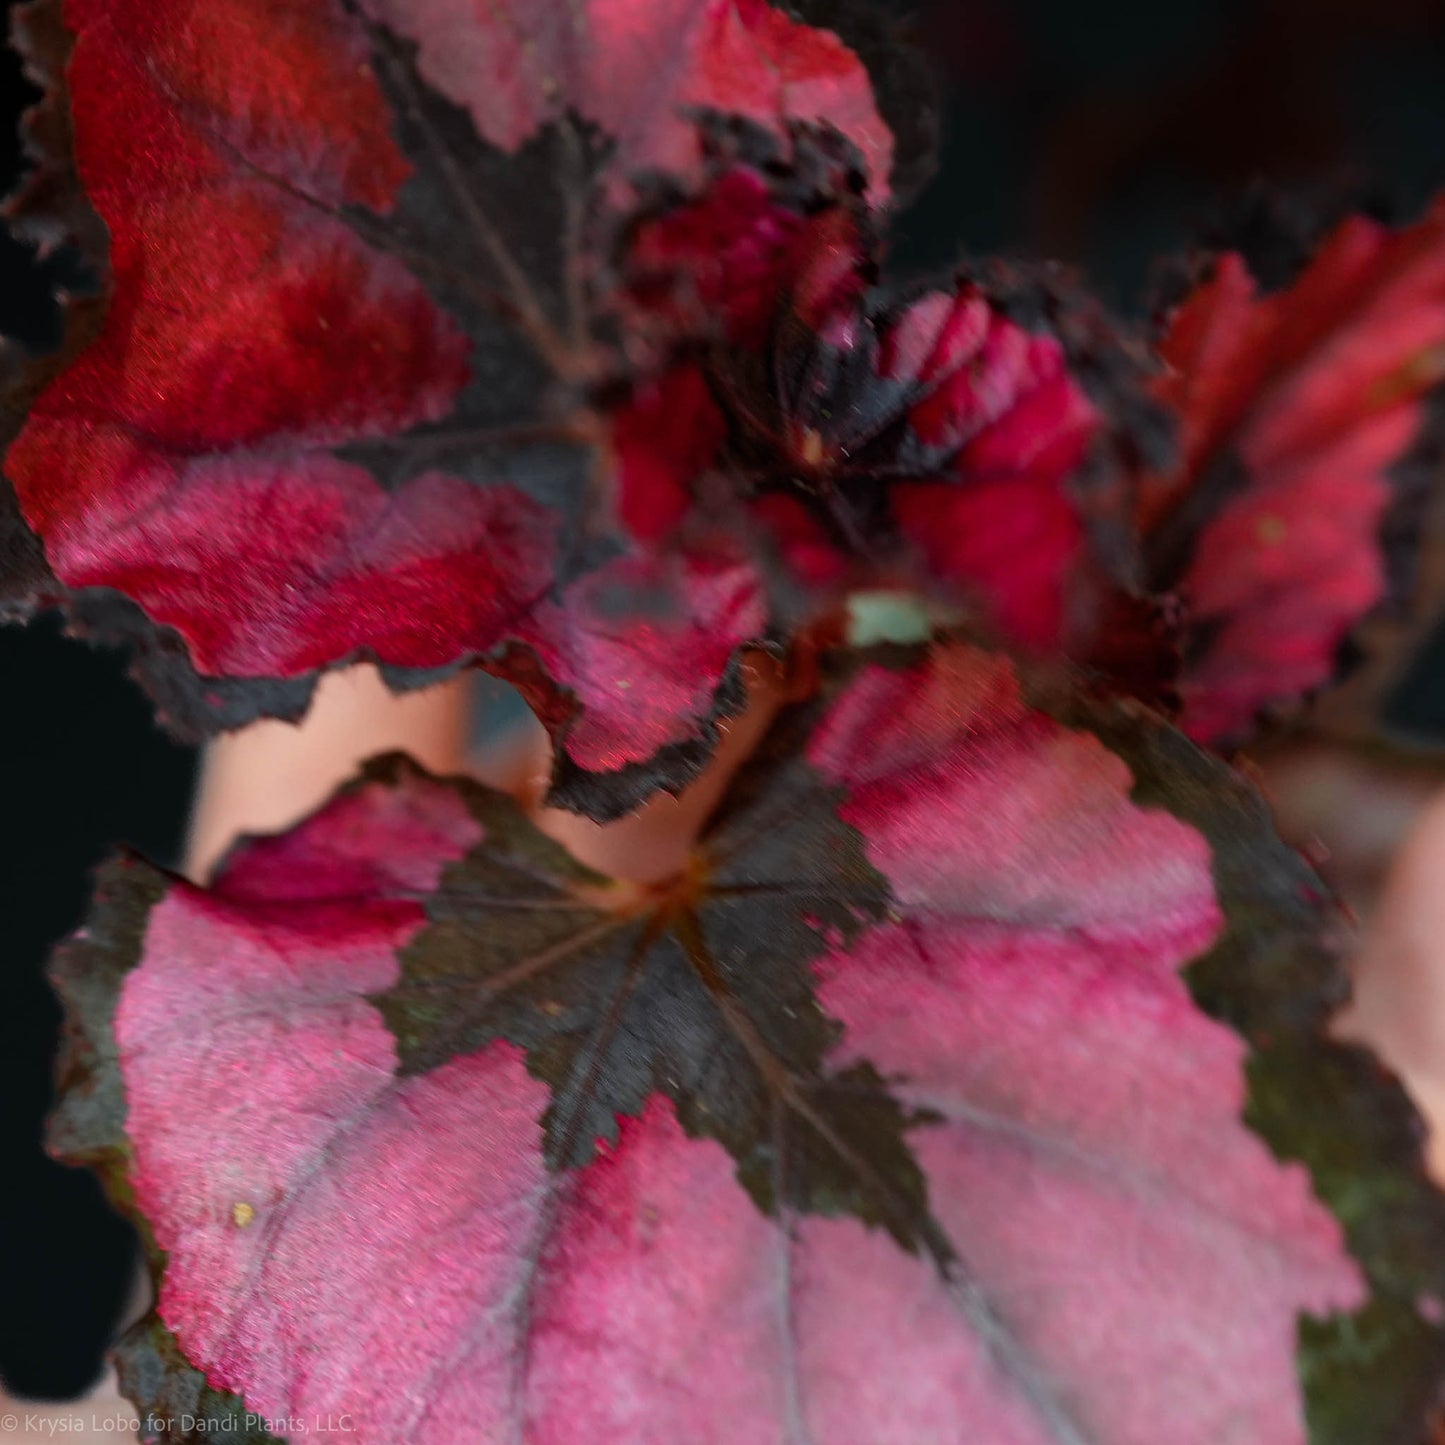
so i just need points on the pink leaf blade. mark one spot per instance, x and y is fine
(1101, 1242)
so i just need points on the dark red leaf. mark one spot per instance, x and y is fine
(349, 396)
(249, 334)
(773, 227)
(668, 433)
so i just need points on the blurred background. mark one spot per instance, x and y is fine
(1104, 133)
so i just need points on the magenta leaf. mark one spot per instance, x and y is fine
(969, 442)
(652, 645)
(433, 1127)
(1373, 1375)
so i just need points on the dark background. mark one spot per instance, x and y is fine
(1106, 133)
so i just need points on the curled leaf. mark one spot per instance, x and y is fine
(968, 441)
(1306, 431)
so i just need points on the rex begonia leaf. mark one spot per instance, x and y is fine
(1375, 1375)
(890, 1118)
(350, 395)
(1305, 426)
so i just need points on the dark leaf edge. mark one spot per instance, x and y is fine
(907, 87)
(606, 797)
(49, 208)
(174, 1400)
(177, 1403)
(195, 707)
(49, 211)
(1276, 231)
(1276, 978)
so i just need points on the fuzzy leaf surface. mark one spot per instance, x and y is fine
(892, 1119)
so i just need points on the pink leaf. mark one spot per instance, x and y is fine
(356, 1213)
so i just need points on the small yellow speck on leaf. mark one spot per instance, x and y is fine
(1271, 531)
(242, 1214)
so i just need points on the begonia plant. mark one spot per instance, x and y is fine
(972, 1078)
